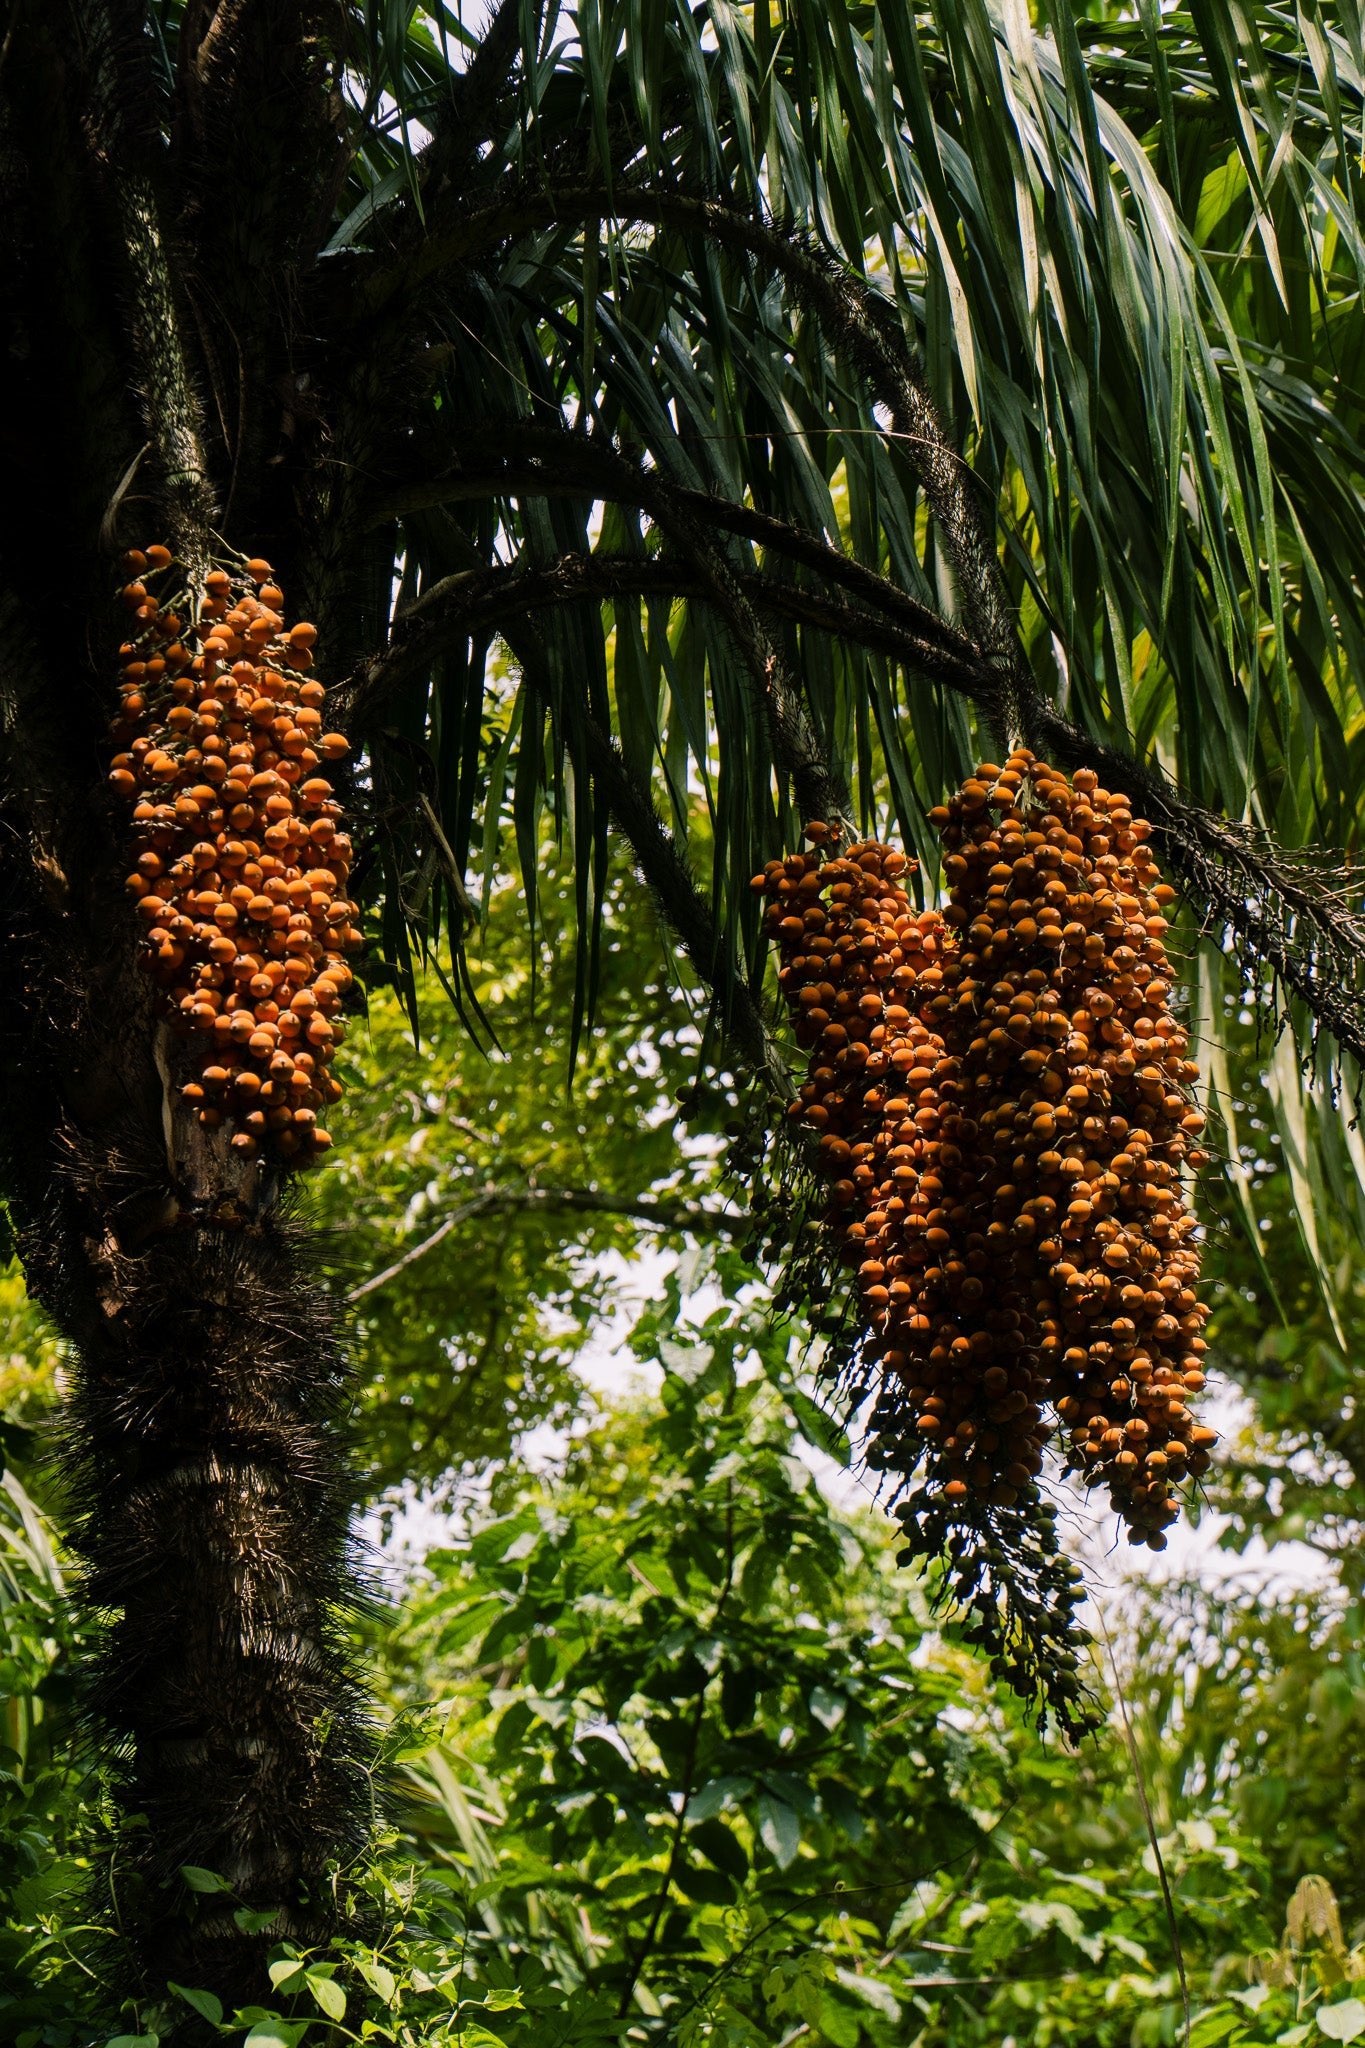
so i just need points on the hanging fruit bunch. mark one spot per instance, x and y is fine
(1000, 1097)
(1082, 1083)
(945, 1302)
(240, 867)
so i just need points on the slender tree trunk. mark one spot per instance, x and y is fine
(204, 1425)
(203, 1433)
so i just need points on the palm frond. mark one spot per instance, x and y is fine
(1046, 330)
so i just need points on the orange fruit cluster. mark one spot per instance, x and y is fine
(1059, 908)
(1001, 1096)
(240, 869)
(874, 985)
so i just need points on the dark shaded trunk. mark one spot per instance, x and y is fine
(203, 1438)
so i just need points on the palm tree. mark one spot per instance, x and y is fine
(800, 393)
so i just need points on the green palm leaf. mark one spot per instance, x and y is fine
(620, 304)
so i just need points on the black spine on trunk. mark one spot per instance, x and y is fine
(208, 1480)
(204, 1436)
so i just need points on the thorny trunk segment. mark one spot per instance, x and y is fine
(203, 1439)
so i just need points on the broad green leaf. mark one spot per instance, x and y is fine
(714, 1797)
(379, 1977)
(872, 1991)
(255, 1921)
(328, 1993)
(205, 2003)
(779, 1830)
(503, 1999)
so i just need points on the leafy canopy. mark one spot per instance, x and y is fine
(1127, 250)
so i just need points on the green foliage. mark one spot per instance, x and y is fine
(478, 1334)
(28, 1360)
(1126, 245)
(677, 1755)
(706, 1737)
(1299, 1468)
(1262, 1699)
(49, 1793)
(695, 1769)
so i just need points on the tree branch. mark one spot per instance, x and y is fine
(848, 311)
(1298, 913)
(521, 460)
(843, 306)
(968, 675)
(693, 1217)
(659, 861)
(461, 605)
(1294, 913)
(1284, 910)
(442, 173)
(795, 748)
(458, 136)
(663, 868)
(921, 638)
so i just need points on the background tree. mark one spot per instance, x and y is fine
(668, 1620)
(798, 392)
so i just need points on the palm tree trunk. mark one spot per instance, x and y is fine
(203, 1438)
(203, 1435)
